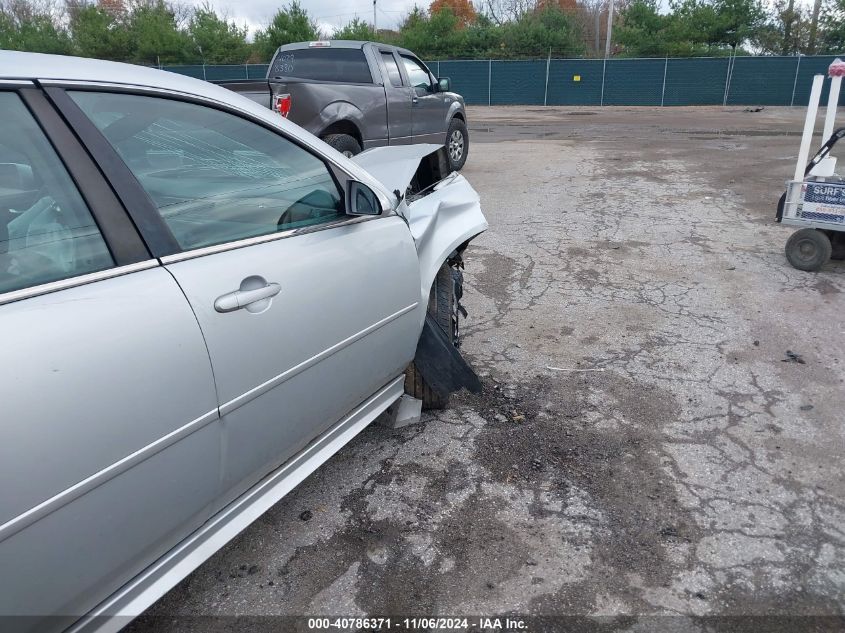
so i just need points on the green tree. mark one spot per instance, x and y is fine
(357, 29)
(290, 24)
(216, 40)
(832, 36)
(537, 33)
(99, 33)
(30, 26)
(737, 21)
(643, 31)
(155, 34)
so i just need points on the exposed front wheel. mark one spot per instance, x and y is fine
(443, 306)
(344, 143)
(808, 249)
(457, 144)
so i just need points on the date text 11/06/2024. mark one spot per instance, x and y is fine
(422, 623)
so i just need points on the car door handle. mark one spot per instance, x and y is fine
(242, 298)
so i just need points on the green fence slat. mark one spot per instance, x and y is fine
(189, 70)
(762, 81)
(257, 71)
(695, 81)
(633, 81)
(575, 82)
(520, 82)
(469, 78)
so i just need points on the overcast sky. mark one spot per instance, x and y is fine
(256, 13)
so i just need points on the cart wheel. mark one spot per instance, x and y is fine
(837, 241)
(808, 249)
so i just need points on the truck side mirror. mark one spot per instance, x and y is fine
(443, 84)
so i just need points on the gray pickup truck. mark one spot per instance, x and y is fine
(358, 95)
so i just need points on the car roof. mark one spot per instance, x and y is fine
(39, 66)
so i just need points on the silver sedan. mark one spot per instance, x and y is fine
(200, 303)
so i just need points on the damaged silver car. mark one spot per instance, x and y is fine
(200, 304)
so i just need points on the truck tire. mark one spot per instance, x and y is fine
(457, 144)
(344, 143)
(442, 306)
(808, 249)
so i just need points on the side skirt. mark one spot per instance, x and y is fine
(133, 598)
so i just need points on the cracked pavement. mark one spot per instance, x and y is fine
(674, 461)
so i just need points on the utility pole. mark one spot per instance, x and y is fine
(598, 29)
(375, 28)
(814, 25)
(609, 30)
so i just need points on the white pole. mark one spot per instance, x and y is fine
(663, 92)
(489, 81)
(809, 127)
(609, 30)
(795, 81)
(546, 92)
(832, 103)
(375, 28)
(603, 71)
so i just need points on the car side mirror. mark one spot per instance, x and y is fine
(443, 84)
(362, 200)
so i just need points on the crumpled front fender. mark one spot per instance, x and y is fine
(440, 219)
(440, 222)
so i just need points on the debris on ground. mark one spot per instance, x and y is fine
(792, 357)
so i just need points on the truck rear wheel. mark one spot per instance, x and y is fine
(344, 143)
(442, 305)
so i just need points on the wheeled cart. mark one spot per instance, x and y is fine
(815, 198)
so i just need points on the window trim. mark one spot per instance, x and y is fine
(73, 282)
(340, 176)
(144, 214)
(402, 79)
(120, 234)
(419, 62)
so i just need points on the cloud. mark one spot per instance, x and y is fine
(255, 14)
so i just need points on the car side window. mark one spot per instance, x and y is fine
(392, 68)
(47, 232)
(420, 79)
(214, 176)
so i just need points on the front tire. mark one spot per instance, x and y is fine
(344, 143)
(808, 249)
(442, 305)
(457, 144)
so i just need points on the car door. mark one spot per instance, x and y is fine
(111, 441)
(306, 311)
(429, 107)
(400, 96)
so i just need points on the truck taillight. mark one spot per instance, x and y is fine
(282, 105)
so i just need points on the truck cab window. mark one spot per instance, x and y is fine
(392, 68)
(419, 76)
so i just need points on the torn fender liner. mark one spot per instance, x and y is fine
(440, 362)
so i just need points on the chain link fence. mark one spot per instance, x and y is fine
(595, 82)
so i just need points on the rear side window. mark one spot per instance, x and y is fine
(47, 232)
(322, 64)
(214, 176)
(392, 68)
